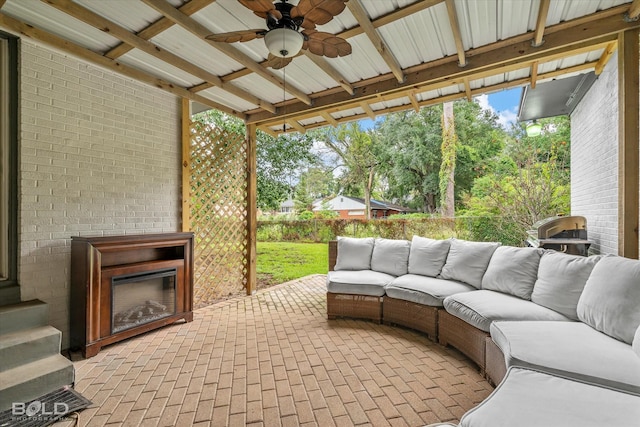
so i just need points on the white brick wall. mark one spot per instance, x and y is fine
(594, 160)
(99, 155)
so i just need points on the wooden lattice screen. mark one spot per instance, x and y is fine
(218, 212)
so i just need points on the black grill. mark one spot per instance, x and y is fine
(561, 233)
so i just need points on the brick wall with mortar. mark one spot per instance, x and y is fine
(594, 160)
(99, 155)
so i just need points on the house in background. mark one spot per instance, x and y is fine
(287, 207)
(354, 208)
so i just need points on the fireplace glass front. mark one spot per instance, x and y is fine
(142, 298)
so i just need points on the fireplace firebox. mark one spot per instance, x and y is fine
(123, 286)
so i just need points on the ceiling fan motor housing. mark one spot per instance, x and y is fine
(283, 38)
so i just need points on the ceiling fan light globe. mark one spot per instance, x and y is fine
(284, 42)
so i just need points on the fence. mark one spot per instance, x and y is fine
(495, 229)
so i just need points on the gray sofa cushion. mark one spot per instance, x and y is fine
(636, 342)
(512, 271)
(561, 279)
(390, 256)
(427, 256)
(362, 282)
(610, 300)
(571, 349)
(480, 308)
(425, 290)
(354, 254)
(468, 261)
(529, 398)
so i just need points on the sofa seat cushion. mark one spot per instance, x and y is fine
(425, 290)
(611, 297)
(480, 308)
(571, 349)
(362, 282)
(530, 398)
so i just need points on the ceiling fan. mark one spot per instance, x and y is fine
(283, 38)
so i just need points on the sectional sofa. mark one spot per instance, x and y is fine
(558, 333)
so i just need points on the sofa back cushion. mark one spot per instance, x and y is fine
(427, 256)
(513, 271)
(561, 279)
(390, 256)
(636, 342)
(610, 301)
(354, 254)
(468, 261)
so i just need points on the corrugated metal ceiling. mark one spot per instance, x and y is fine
(423, 38)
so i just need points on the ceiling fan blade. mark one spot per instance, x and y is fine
(262, 8)
(237, 36)
(277, 62)
(317, 11)
(326, 44)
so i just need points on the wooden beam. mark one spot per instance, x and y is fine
(628, 146)
(534, 74)
(332, 72)
(634, 10)
(358, 12)
(467, 87)
(252, 209)
(329, 118)
(159, 26)
(606, 55)
(2, 2)
(297, 126)
(185, 133)
(89, 17)
(367, 110)
(201, 31)
(80, 52)
(541, 23)
(268, 130)
(413, 99)
(455, 28)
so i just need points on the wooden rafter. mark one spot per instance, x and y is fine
(118, 67)
(534, 74)
(356, 9)
(467, 88)
(332, 72)
(329, 118)
(297, 126)
(541, 22)
(159, 26)
(201, 31)
(634, 10)
(89, 17)
(457, 35)
(576, 36)
(367, 110)
(413, 99)
(606, 55)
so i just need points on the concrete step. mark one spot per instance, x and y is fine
(32, 380)
(23, 315)
(26, 346)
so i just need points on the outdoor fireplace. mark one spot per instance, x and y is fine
(123, 286)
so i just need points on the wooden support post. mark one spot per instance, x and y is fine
(628, 146)
(185, 133)
(252, 213)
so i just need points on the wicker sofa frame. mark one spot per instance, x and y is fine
(412, 315)
(468, 339)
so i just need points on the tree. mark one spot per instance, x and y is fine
(356, 150)
(448, 165)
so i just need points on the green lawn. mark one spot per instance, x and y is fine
(280, 262)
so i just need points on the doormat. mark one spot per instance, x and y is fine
(46, 410)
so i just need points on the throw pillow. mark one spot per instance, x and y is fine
(512, 271)
(467, 261)
(611, 297)
(427, 256)
(561, 279)
(390, 256)
(354, 253)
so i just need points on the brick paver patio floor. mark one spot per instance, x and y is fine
(274, 359)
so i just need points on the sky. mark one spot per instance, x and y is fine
(504, 103)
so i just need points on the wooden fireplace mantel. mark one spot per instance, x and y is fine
(95, 260)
